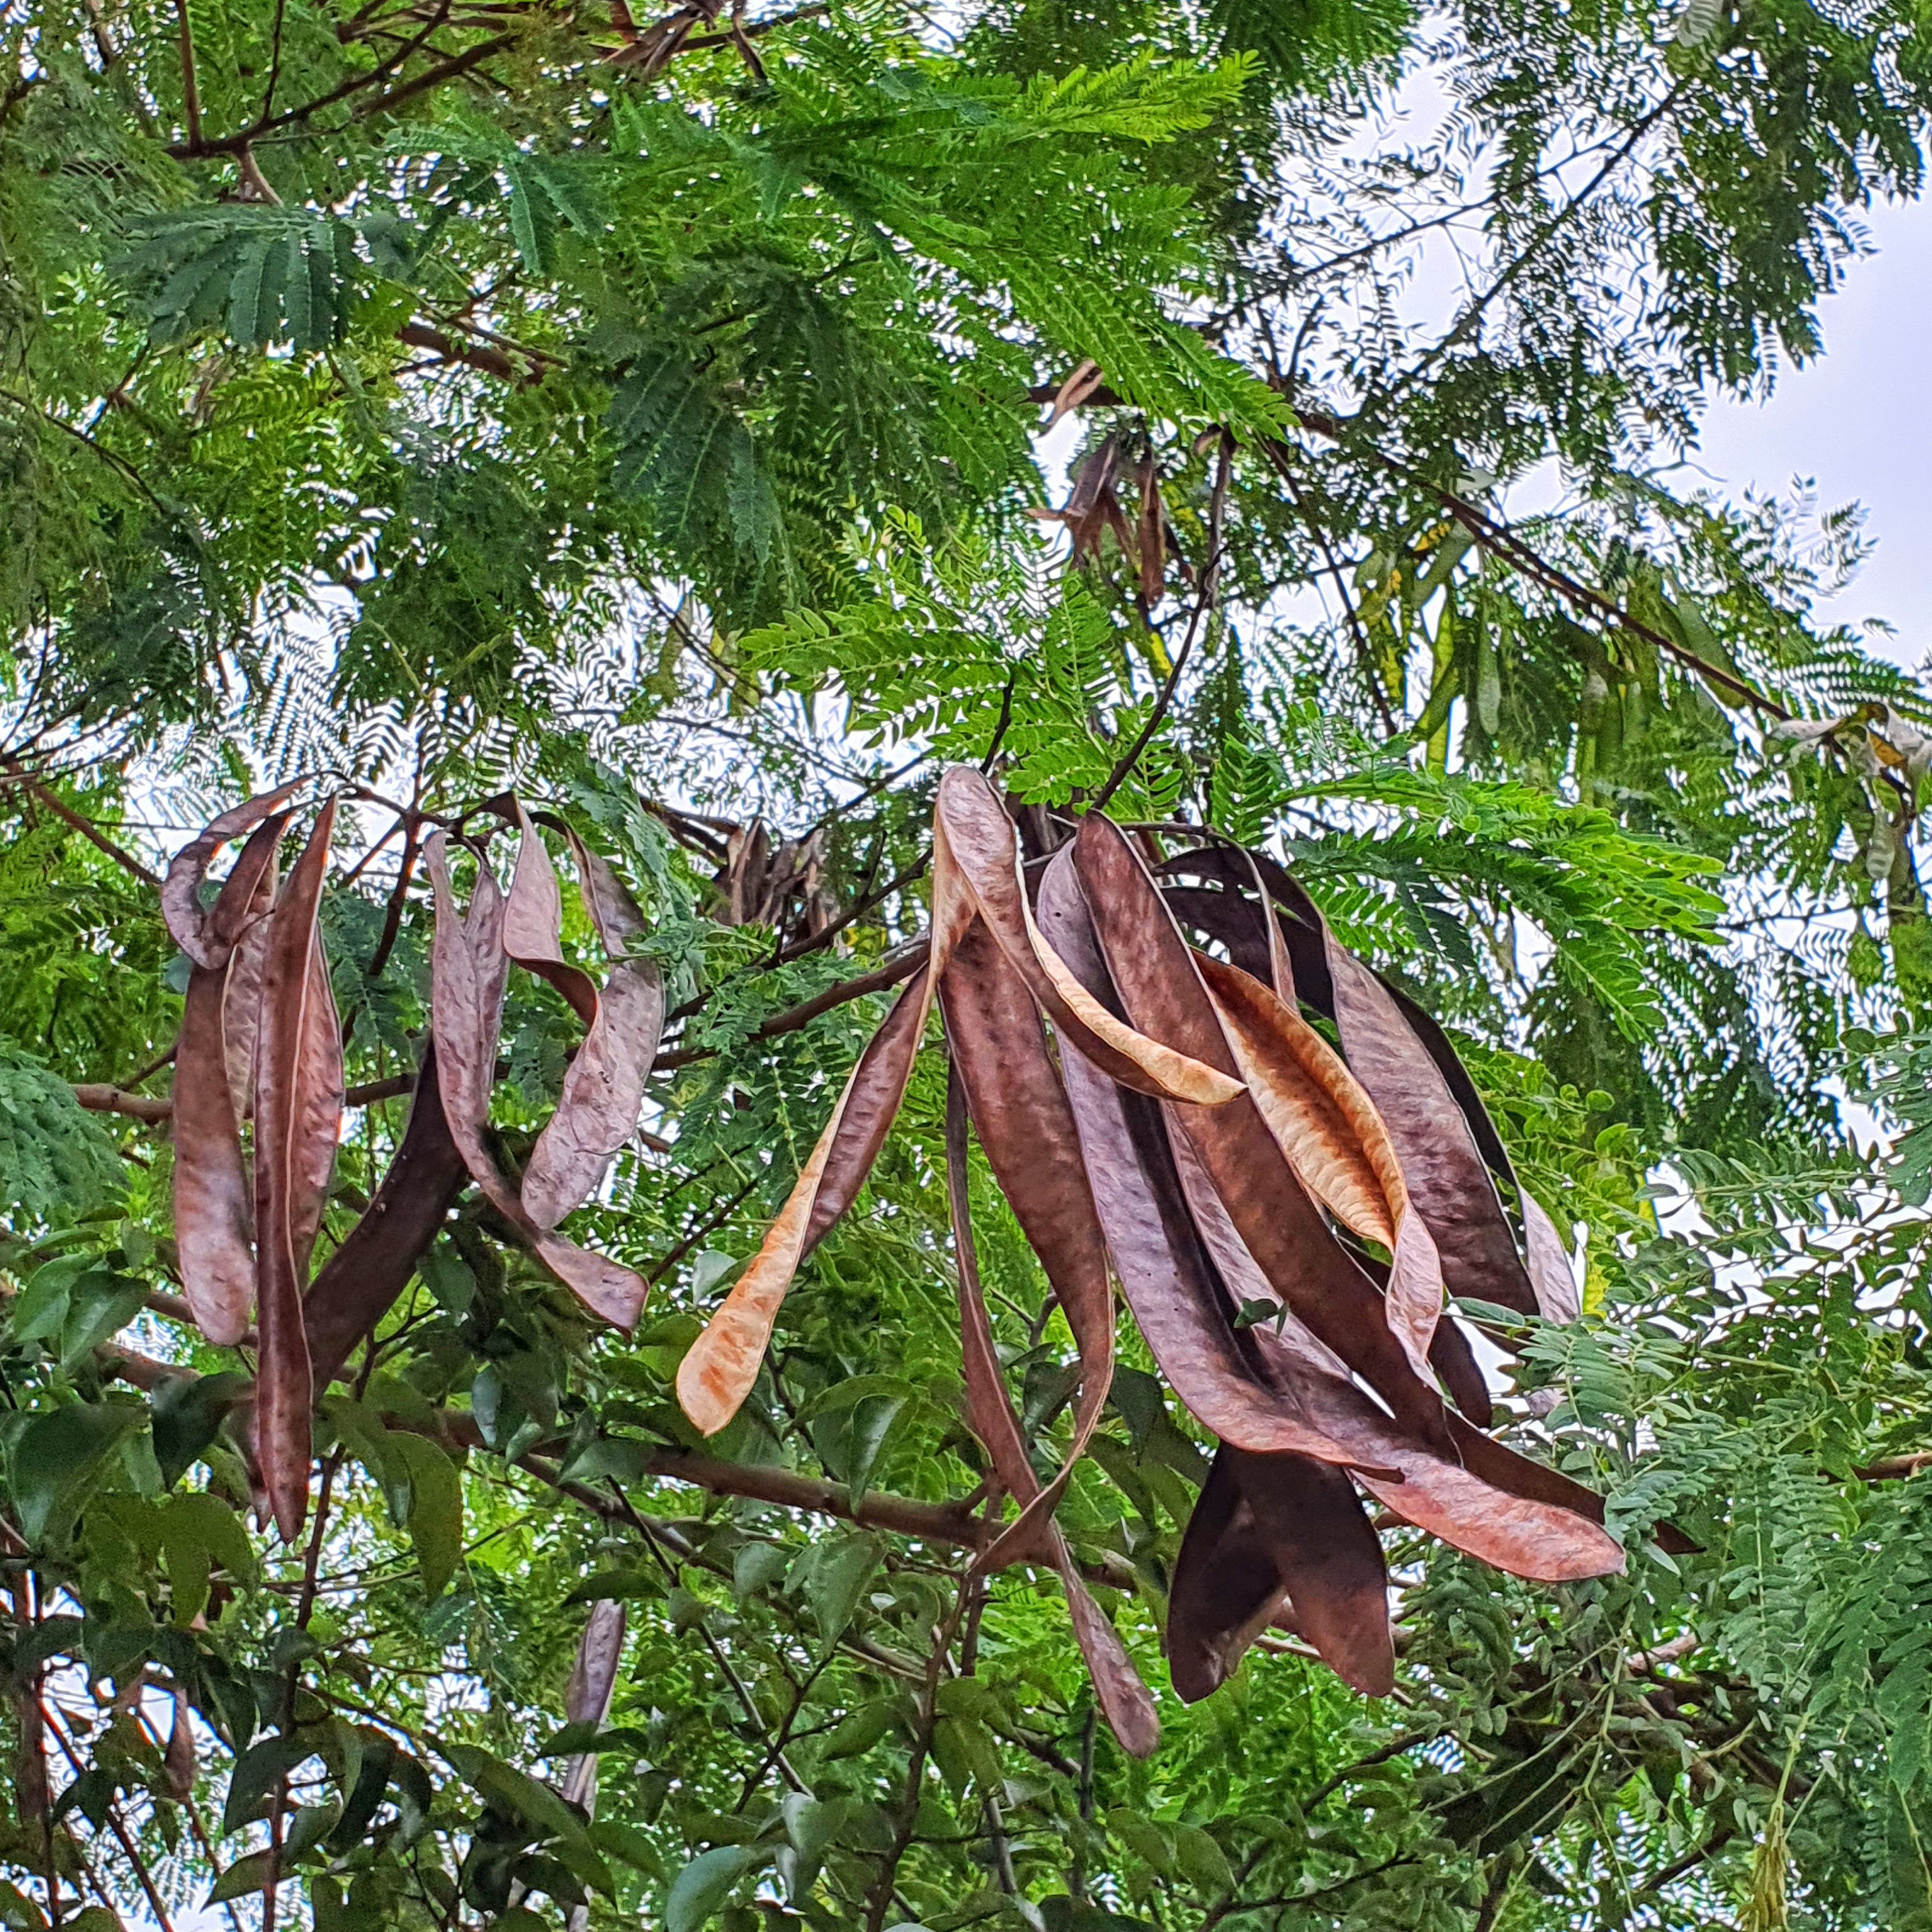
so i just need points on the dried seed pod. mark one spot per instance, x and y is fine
(603, 1090)
(719, 1368)
(213, 1199)
(468, 971)
(362, 1280)
(1019, 1107)
(1124, 1698)
(298, 1110)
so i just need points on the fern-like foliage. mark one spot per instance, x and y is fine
(56, 1163)
(265, 275)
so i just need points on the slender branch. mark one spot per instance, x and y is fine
(199, 149)
(1006, 717)
(98, 1098)
(256, 182)
(824, 936)
(1394, 1748)
(1203, 602)
(1472, 316)
(929, 1523)
(752, 30)
(1494, 535)
(87, 830)
(475, 354)
(114, 1825)
(871, 789)
(899, 965)
(113, 460)
(628, 1515)
(451, 69)
(881, 1899)
(103, 41)
(1364, 651)
(191, 93)
(1719, 1838)
(291, 1681)
(392, 919)
(705, 1228)
(274, 57)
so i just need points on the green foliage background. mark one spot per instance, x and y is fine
(447, 397)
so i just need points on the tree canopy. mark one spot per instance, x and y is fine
(1102, 608)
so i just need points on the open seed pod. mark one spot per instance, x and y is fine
(1171, 1123)
(259, 1042)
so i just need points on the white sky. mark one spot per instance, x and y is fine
(1857, 421)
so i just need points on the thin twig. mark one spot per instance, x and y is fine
(881, 1899)
(114, 1825)
(86, 827)
(451, 69)
(824, 936)
(392, 920)
(191, 93)
(1204, 600)
(257, 182)
(1364, 651)
(706, 1228)
(1006, 718)
(199, 149)
(899, 965)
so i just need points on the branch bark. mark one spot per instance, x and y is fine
(899, 965)
(473, 355)
(87, 830)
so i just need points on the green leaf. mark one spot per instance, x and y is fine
(199, 1531)
(1200, 1858)
(758, 1566)
(1148, 1841)
(617, 1586)
(813, 1825)
(100, 1304)
(257, 1768)
(274, 274)
(306, 1826)
(538, 1805)
(852, 1391)
(435, 1508)
(626, 1842)
(59, 1458)
(702, 1886)
(836, 1579)
(249, 1873)
(41, 1308)
(57, 1161)
(188, 1411)
(588, 1737)
(866, 1441)
(860, 1730)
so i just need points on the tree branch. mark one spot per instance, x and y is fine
(87, 830)
(191, 93)
(1204, 601)
(952, 1524)
(1364, 652)
(476, 356)
(1495, 535)
(200, 150)
(98, 1098)
(899, 965)
(451, 69)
